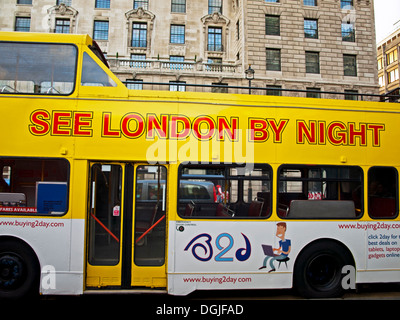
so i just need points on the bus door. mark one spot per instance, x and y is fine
(126, 226)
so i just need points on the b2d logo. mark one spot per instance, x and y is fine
(203, 248)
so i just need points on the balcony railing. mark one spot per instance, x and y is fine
(171, 66)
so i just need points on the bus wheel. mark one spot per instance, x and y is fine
(19, 270)
(318, 270)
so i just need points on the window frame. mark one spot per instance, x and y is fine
(178, 6)
(306, 180)
(395, 198)
(309, 67)
(347, 71)
(100, 31)
(56, 44)
(140, 30)
(68, 173)
(272, 25)
(240, 196)
(278, 64)
(310, 28)
(216, 44)
(176, 36)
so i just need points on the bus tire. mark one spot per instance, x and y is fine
(19, 270)
(318, 269)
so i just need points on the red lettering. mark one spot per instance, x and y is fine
(61, 123)
(126, 125)
(337, 133)
(82, 123)
(154, 125)
(258, 130)
(106, 127)
(228, 129)
(376, 129)
(40, 125)
(361, 134)
(203, 128)
(180, 127)
(278, 129)
(310, 133)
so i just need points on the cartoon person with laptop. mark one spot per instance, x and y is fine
(277, 254)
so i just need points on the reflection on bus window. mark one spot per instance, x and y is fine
(313, 192)
(382, 192)
(224, 191)
(30, 186)
(94, 75)
(37, 68)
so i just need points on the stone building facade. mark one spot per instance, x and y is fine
(388, 51)
(318, 45)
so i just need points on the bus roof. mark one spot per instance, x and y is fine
(78, 39)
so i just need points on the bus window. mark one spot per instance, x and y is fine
(382, 192)
(150, 212)
(224, 191)
(37, 68)
(94, 75)
(105, 225)
(30, 186)
(315, 192)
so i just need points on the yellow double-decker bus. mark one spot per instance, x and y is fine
(106, 189)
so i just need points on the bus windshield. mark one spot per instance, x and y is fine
(37, 68)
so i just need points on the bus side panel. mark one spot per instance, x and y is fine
(232, 254)
(50, 239)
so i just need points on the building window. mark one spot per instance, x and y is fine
(392, 57)
(22, 24)
(214, 6)
(176, 66)
(348, 32)
(274, 1)
(66, 2)
(274, 91)
(177, 86)
(272, 25)
(380, 63)
(219, 87)
(313, 93)
(62, 26)
(214, 64)
(310, 3)
(214, 39)
(102, 4)
(24, 1)
(346, 4)
(138, 61)
(177, 34)
(382, 81)
(100, 30)
(351, 95)
(350, 65)
(274, 59)
(312, 62)
(393, 75)
(178, 6)
(141, 4)
(134, 84)
(139, 35)
(311, 28)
